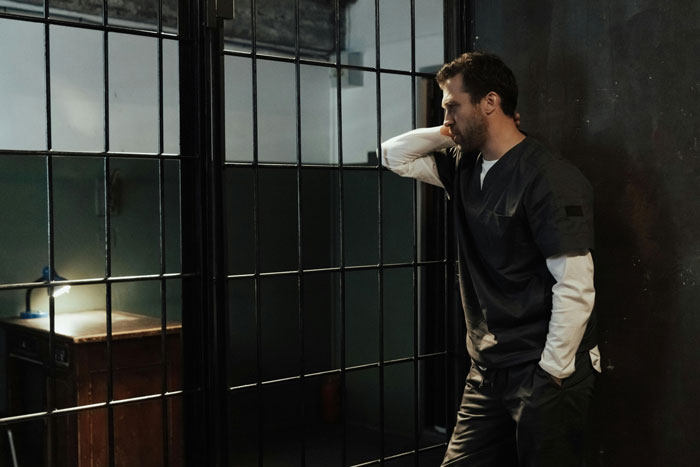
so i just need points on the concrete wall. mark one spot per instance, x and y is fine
(614, 87)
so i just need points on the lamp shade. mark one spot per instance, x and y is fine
(46, 276)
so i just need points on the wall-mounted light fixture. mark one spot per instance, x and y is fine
(46, 276)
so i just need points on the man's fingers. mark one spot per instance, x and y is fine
(516, 117)
(445, 131)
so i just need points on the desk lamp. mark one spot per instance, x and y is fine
(57, 292)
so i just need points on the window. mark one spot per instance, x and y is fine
(249, 286)
(91, 164)
(336, 266)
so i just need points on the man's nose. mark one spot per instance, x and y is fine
(448, 121)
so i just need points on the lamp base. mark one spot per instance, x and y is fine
(33, 314)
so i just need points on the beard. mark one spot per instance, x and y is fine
(472, 136)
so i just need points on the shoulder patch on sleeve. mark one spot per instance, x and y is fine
(574, 211)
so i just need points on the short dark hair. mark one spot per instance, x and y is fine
(481, 74)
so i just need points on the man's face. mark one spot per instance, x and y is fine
(464, 119)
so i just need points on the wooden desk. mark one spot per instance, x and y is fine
(80, 358)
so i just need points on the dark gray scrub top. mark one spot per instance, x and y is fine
(532, 206)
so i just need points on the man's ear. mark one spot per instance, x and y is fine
(490, 103)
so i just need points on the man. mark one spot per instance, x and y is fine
(524, 220)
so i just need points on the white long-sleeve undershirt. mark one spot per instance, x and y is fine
(573, 296)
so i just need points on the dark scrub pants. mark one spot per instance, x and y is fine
(518, 417)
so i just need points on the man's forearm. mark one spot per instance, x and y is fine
(408, 154)
(573, 297)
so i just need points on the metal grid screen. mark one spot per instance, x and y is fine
(333, 358)
(103, 127)
(181, 150)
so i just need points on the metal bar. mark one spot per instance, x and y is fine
(82, 25)
(300, 277)
(402, 455)
(84, 408)
(344, 66)
(294, 165)
(100, 155)
(51, 389)
(363, 366)
(369, 267)
(165, 432)
(380, 227)
(414, 273)
(341, 226)
(108, 246)
(112, 280)
(256, 230)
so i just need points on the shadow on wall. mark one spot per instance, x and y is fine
(636, 244)
(613, 87)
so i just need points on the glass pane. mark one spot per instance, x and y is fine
(24, 251)
(398, 313)
(240, 223)
(77, 89)
(399, 409)
(171, 97)
(30, 439)
(276, 112)
(133, 439)
(133, 93)
(25, 7)
(359, 34)
(276, 28)
(173, 232)
(12, 302)
(431, 299)
(243, 440)
(403, 461)
(278, 220)
(282, 424)
(432, 457)
(396, 105)
(173, 303)
(239, 109)
(280, 327)
(428, 99)
(321, 322)
(237, 31)
(361, 317)
(242, 332)
(318, 115)
(138, 297)
(430, 41)
(397, 217)
(360, 118)
(85, 11)
(317, 30)
(138, 15)
(320, 218)
(322, 413)
(79, 234)
(22, 85)
(80, 298)
(135, 217)
(395, 34)
(170, 16)
(432, 379)
(176, 445)
(363, 435)
(360, 217)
